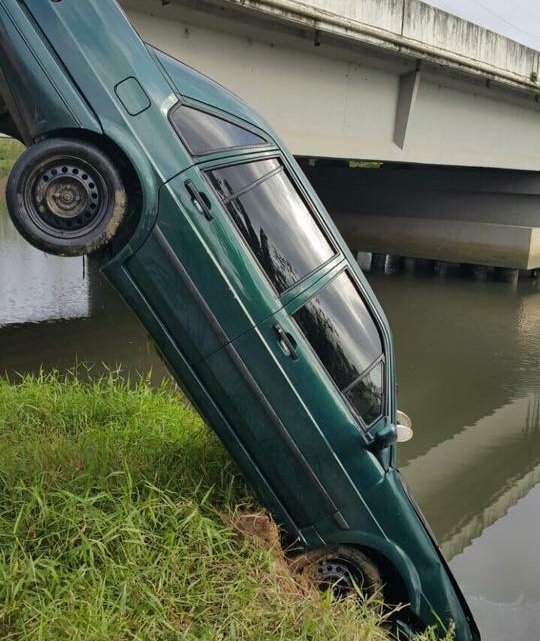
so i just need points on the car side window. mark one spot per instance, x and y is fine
(340, 329)
(204, 133)
(273, 219)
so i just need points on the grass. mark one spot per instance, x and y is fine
(117, 522)
(10, 150)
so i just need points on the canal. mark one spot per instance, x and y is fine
(469, 373)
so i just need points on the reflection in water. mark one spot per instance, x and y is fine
(36, 287)
(469, 373)
(469, 481)
(56, 312)
(500, 573)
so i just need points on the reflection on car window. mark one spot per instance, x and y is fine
(232, 180)
(339, 327)
(205, 133)
(273, 219)
(366, 394)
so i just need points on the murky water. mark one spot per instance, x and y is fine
(60, 312)
(469, 372)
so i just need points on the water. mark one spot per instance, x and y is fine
(59, 312)
(469, 374)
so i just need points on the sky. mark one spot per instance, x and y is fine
(515, 19)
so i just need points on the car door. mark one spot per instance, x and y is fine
(295, 400)
(217, 227)
(191, 270)
(197, 269)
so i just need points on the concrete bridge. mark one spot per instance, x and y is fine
(451, 111)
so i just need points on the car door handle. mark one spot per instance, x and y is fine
(286, 342)
(200, 200)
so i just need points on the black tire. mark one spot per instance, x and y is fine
(345, 570)
(66, 197)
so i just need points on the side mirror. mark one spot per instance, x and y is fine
(390, 434)
(404, 429)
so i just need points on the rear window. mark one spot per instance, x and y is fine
(340, 329)
(273, 219)
(205, 133)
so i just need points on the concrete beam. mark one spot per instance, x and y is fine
(475, 45)
(411, 28)
(408, 90)
(447, 240)
(477, 216)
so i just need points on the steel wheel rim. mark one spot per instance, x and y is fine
(66, 197)
(339, 575)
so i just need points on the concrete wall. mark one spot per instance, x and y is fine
(449, 33)
(382, 14)
(448, 240)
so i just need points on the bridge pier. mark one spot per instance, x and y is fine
(365, 260)
(378, 262)
(393, 264)
(507, 275)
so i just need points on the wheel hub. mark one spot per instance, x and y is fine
(68, 197)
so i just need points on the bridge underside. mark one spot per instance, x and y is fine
(460, 215)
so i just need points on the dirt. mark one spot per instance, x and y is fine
(261, 528)
(258, 526)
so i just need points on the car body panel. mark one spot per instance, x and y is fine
(33, 82)
(78, 68)
(244, 292)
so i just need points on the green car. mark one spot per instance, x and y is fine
(208, 229)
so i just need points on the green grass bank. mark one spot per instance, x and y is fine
(119, 520)
(10, 150)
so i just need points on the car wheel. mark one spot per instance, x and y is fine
(344, 570)
(66, 197)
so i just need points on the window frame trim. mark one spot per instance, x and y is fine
(301, 194)
(254, 184)
(226, 117)
(382, 358)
